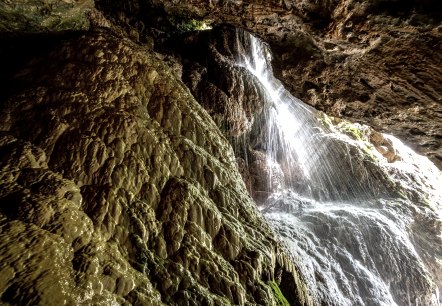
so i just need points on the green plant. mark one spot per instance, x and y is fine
(351, 129)
(279, 297)
(183, 25)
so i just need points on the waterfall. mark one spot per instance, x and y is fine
(299, 135)
(360, 212)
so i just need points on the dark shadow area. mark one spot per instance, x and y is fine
(432, 8)
(17, 49)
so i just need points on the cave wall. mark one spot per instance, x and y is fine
(373, 62)
(117, 187)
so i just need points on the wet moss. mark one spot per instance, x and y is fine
(279, 297)
(352, 130)
(183, 25)
(326, 120)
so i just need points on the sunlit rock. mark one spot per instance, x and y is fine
(116, 187)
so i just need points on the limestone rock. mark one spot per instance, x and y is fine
(231, 95)
(374, 62)
(34, 16)
(388, 78)
(118, 188)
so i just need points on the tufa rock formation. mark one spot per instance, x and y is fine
(117, 187)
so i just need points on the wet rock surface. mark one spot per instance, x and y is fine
(117, 187)
(373, 62)
(379, 70)
(378, 201)
(210, 69)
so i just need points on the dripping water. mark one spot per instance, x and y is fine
(363, 231)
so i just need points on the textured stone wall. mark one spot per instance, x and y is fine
(374, 62)
(116, 186)
(34, 16)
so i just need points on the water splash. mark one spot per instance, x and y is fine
(360, 212)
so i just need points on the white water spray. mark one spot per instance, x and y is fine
(296, 136)
(364, 231)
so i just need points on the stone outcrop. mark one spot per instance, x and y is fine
(379, 69)
(36, 16)
(213, 66)
(117, 187)
(374, 62)
(225, 89)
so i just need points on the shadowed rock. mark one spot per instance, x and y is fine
(117, 187)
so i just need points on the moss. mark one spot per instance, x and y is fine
(352, 130)
(183, 25)
(279, 297)
(33, 16)
(326, 120)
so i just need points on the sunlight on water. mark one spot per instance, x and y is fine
(297, 137)
(284, 125)
(422, 173)
(364, 227)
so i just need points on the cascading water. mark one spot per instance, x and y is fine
(364, 228)
(298, 135)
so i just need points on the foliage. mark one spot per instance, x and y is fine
(353, 130)
(326, 120)
(279, 297)
(183, 25)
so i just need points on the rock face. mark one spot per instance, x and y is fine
(117, 187)
(35, 16)
(215, 67)
(382, 70)
(375, 62)
(232, 96)
(226, 90)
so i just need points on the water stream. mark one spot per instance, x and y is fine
(362, 222)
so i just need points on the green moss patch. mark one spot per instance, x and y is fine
(279, 297)
(183, 25)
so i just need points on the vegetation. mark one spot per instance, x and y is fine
(353, 130)
(326, 120)
(183, 25)
(279, 297)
